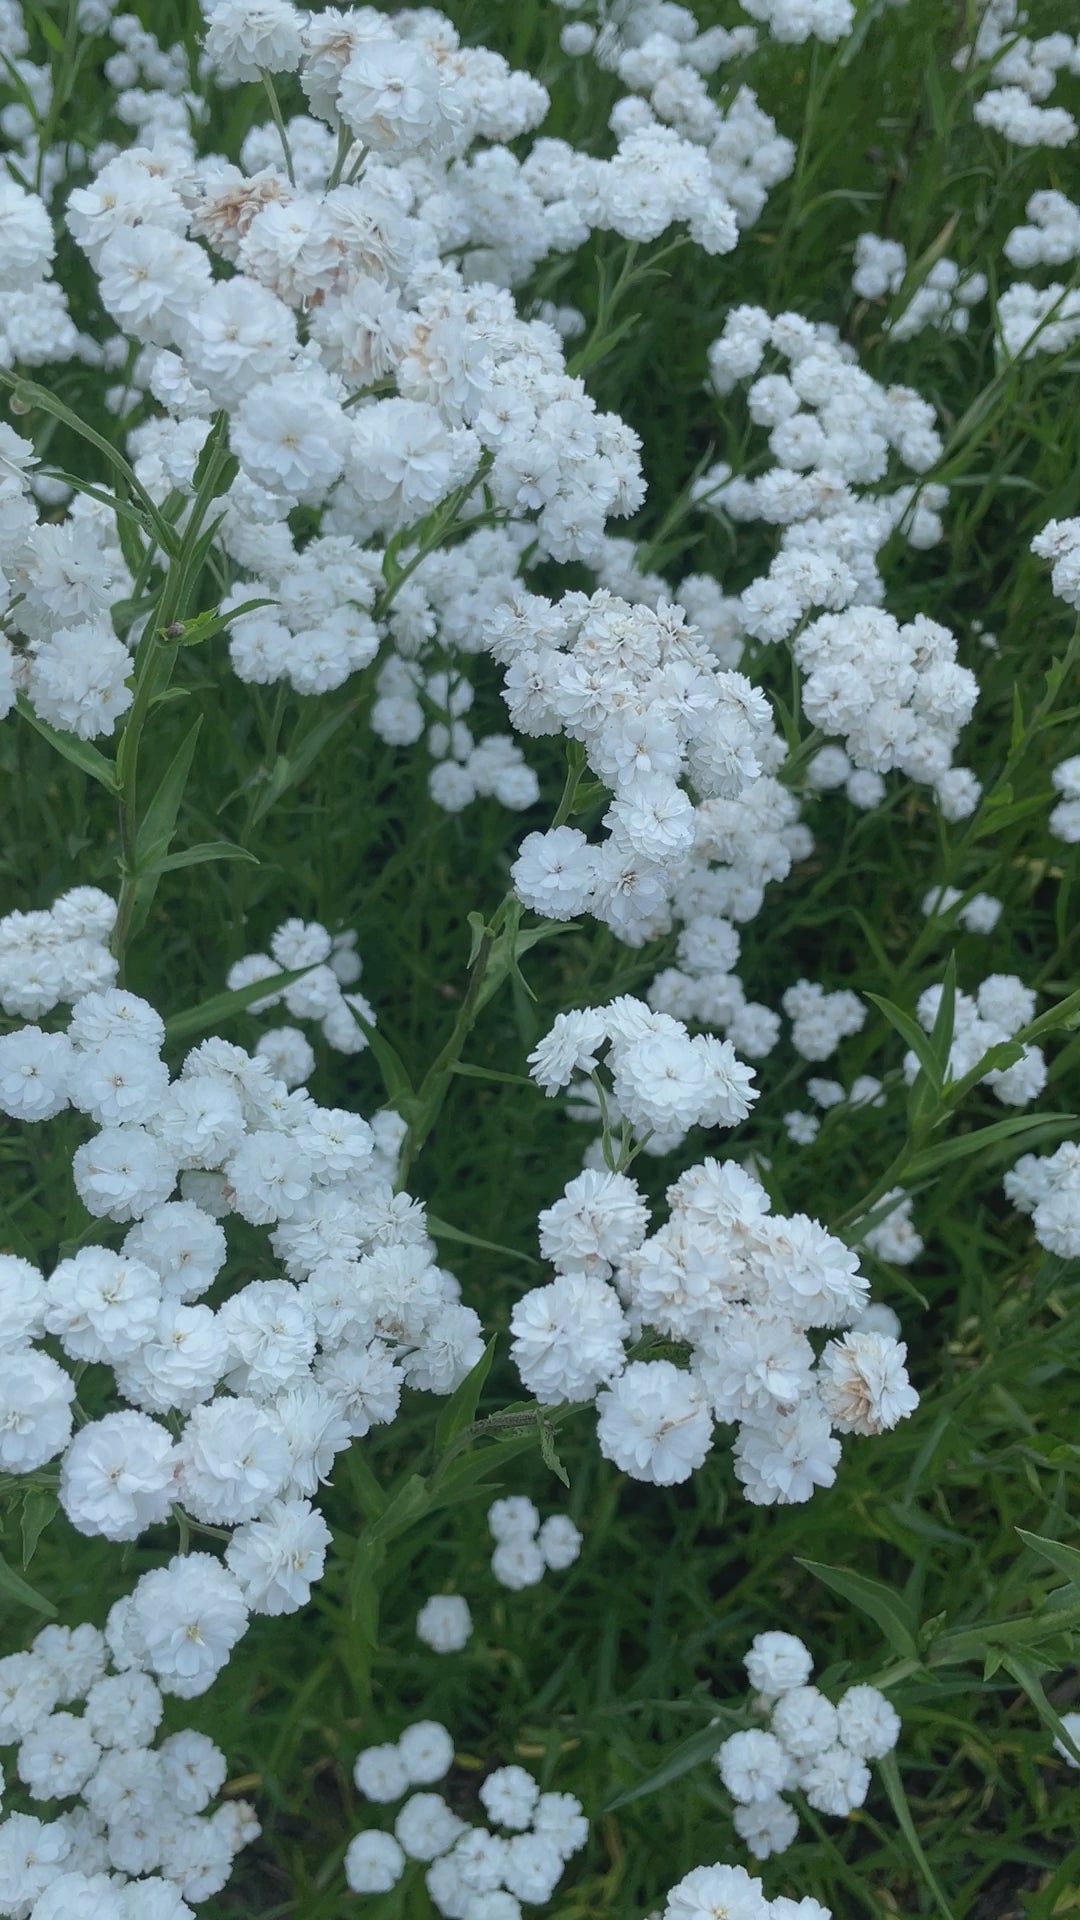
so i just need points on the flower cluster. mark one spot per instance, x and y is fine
(330, 964)
(943, 300)
(473, 1872)
(269, 1384)
(730, 1891)
(743, 1289)
(990, 1018)
(1025, 72)
(651, 709)
(1048, 1187)
(1065, 817)
(664, 57)
(58, 582)
(820, 1020)
(811, 1746)
(136, 1842)
(56, 954)
(525, 1547)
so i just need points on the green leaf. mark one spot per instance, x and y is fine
(941, 1034)
(549, 1453)
(13, 1587)
(894, 1787)
(302, 755)
(158, 824)
(48, 28)
(479, 1464)
(80, 753)
(30, 395)
(489, 1073)
(395, 1078)
(685, 1758)
(1038, 1125)
(220, 1006)
(401, 1512)
(1027, 1677)
(206, 625)
(207, 850)
(442, 1230)
(460, 1410)
(39, 1509)
(216, 468)
(888, 1609)
(1065, 1559)
(364, 1590)
(917, 1040)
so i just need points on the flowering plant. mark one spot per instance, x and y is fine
(536, 594)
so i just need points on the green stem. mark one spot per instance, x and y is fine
(275, 112)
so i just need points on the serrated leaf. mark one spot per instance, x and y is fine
(460, 1410)
(79, 752)
(19, 1591)
(887, 1609)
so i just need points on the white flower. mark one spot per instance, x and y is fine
(767, 1827)
(380, 1774)
(35, 1410)
(653, 1423)
(555, 873)
(868, 1725)
(123, 1172)
(444, 1623)
(118, 1476)
(568, 1338)
(426, 1827)
(805, 1722)
(247, 37)
(427, 1752)
(753, 1765)
(776, 1662)
(184, 1620)
(836, 1781)
(35, 1074)
(717, 1893)
(374, 1862)
(290, 435)
(57, 1758)
(277, 1557)
(391, 97)
(232, 1461)
(864, 1383)
(509, 1797)
(559, 1542)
